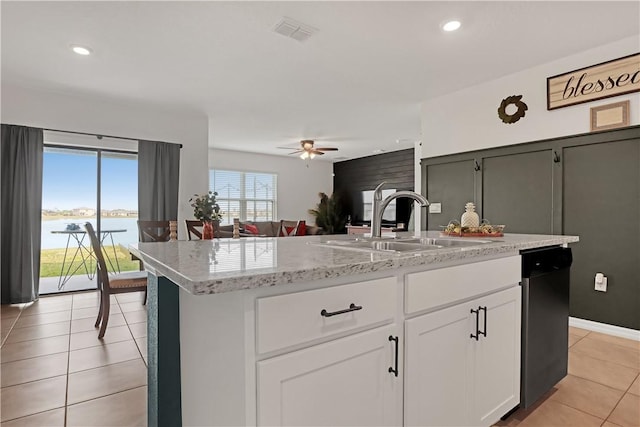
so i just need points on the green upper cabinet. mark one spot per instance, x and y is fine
(517, 190)
(450, 184)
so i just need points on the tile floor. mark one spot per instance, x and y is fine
(55, 371)
(601, 389)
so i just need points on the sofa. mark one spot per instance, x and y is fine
(269, 229)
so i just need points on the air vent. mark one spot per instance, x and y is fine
(294, 29)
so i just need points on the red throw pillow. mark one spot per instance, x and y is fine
(251, 229)
(302, 228)
(286, 231)
(299, 230)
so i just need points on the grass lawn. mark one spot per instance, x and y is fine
(51, 261)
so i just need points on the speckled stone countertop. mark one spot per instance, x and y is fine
(225, 265)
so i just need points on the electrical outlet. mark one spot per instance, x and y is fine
(601, 283)
(435, 208)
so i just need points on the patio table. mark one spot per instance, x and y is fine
(85, 253)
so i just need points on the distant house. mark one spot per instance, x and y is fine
(84, 212)
(120, 213)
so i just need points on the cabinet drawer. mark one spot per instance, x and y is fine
(429, 289)
(291, 319)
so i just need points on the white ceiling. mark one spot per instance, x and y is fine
(356, 84)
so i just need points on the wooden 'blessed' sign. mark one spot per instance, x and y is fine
(599, 81)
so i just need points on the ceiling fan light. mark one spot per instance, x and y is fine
(312, 155)
(304, 155)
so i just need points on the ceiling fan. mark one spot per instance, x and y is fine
(307, 150)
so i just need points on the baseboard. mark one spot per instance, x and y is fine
(604, 328)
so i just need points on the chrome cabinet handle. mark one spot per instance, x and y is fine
(352, 307)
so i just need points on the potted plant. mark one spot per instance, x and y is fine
(206, 209)
(329, 214)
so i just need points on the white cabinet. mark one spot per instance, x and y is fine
(323, 356)
(438, 368)
(496, 357)
(452, 378)
(344, 382)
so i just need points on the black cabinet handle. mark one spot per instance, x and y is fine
(352, 307)
(478, 331)
(477, 313)
(391, 370)
(483, 333)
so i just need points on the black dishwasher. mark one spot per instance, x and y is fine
(545, 320)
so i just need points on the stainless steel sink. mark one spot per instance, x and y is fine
(383, 245)
(445, 242)
(400, 244)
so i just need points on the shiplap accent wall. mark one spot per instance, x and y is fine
(351, 177)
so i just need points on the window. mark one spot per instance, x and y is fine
(250, 196)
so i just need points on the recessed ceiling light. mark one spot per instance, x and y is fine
(451, 26)
(81, 50)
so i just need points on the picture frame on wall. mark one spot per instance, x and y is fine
(610, 116)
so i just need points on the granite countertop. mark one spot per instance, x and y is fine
(225, 265)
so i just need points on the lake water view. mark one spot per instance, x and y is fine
(57, 241)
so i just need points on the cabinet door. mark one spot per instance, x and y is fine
(517, 191)
(496, 357)
(345, 382)
(452, 185)
(437, 379)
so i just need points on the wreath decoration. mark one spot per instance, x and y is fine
(512, 118)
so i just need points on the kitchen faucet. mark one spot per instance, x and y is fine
(380, 205)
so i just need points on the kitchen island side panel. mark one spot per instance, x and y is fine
(164, 402)
(213, 359)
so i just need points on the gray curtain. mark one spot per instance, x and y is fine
(21, 156)
(158, 176)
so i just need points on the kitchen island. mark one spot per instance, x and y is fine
(291, 331)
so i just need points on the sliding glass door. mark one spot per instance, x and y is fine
(86, 185)
(118, 208)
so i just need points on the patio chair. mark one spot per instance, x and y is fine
(132, 281)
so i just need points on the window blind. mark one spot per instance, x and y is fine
(250, 196)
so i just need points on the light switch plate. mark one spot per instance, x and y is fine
(602, 287)
(435, 208)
